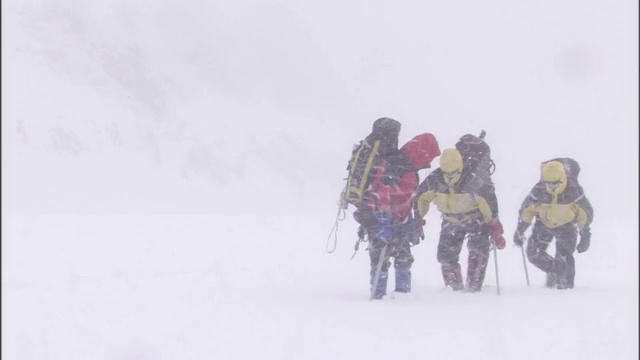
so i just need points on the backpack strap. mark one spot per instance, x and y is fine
(356, 192)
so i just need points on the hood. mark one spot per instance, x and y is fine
(554, 177)
(451, 163)
(421, 150)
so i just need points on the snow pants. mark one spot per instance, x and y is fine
(561, 268)
(400, 250)
(452, 236)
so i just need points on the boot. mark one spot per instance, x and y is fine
(452, 275)
(571, 271)
(403, 278)
(560, 272)
(551, 282)
(476, 270)
(381, 289)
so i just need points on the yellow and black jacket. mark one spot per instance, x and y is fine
(468, 201)
(566, 205)
(556, 200)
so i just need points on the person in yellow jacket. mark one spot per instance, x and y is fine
(469, 208)
(561, 211)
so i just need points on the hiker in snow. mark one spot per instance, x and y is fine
(386, 215)
(469, 209)
(366, 158)
(562, 211)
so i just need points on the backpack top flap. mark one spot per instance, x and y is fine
(386, 130)
(476, 154)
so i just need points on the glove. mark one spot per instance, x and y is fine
(361, 232)
(496, 231)
(519, 238)
(383, 231)
(499, 242)
(585, 241)
(417, 230)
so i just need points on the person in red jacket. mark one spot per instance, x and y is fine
(387, 216)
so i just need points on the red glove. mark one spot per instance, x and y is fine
(496, 231)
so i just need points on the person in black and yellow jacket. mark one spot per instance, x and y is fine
(469, 208)
(561, 211)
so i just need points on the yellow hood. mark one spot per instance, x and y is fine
(554, 177)
(451, 165)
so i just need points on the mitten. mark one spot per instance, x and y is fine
(415, 231)
(499, 242)
(361, 232)
(585, 240)
(519, 238)
(496, 231)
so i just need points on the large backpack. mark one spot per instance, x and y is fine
(367, 158)
(476, 155)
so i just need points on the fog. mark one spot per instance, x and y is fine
(224, 116)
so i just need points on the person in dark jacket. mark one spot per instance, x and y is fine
(469, 209)
(387, 217)
(561, 211)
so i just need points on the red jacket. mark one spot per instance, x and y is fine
(396, 181)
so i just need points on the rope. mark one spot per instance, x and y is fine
(342, 214)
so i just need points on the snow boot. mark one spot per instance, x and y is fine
(571, 271)
(381, 289)
(403, 275)
(476, 270)
(452, 275)
(560, 270)
(551, 281)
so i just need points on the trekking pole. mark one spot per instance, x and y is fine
(524, 262)
(376, 277)
(495, 258)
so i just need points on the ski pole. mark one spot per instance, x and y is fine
(495, 258)
(376, 277)
(524, 262)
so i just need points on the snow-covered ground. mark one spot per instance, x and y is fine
(238, 287)
(170, 175)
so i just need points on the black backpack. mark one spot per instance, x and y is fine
(367, 158)
(476, 155)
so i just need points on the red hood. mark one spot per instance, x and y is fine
(421, 150)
